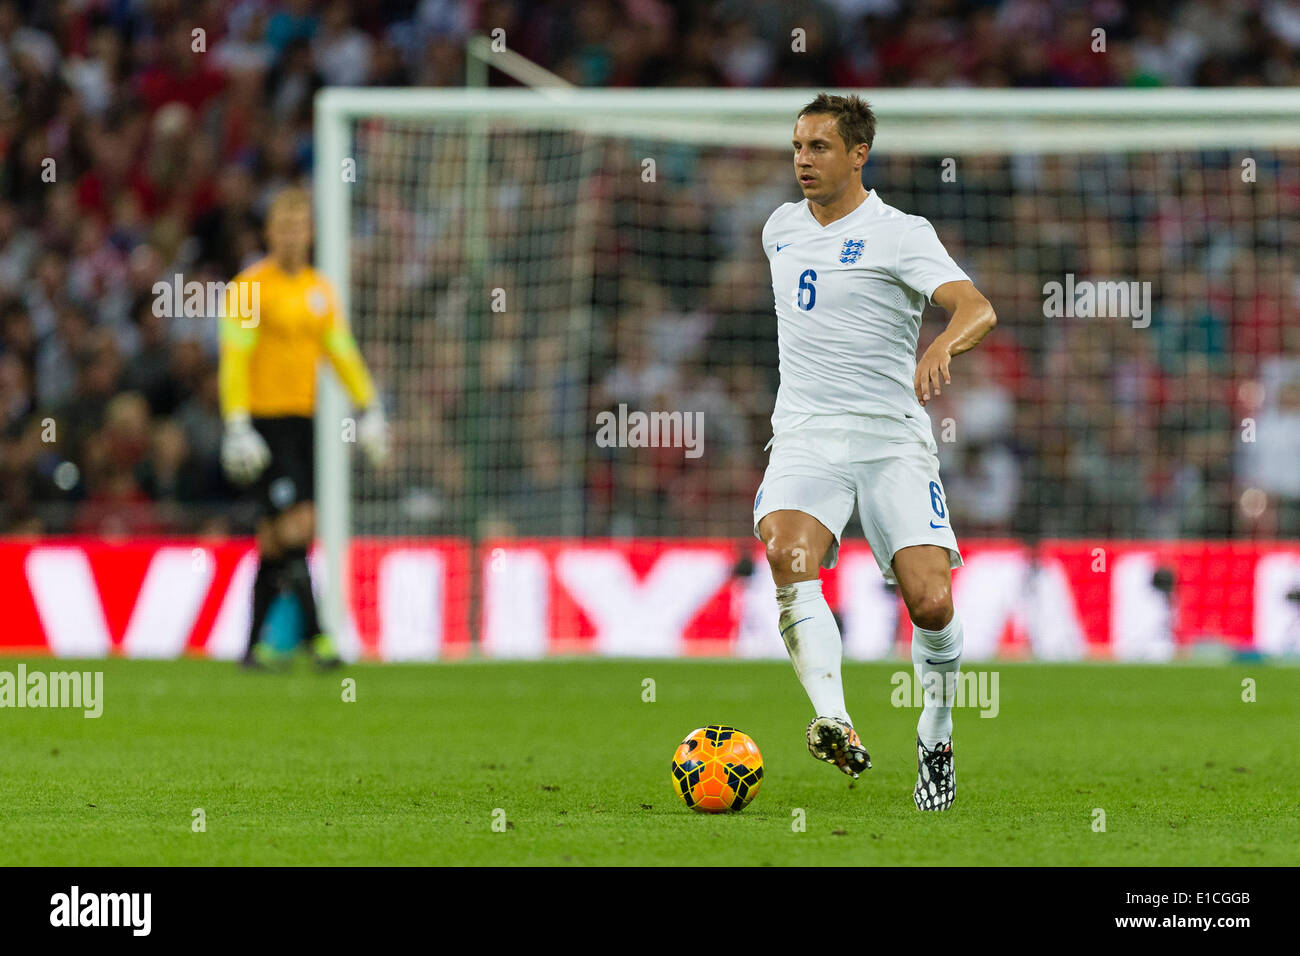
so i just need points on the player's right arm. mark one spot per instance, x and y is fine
(244, 454)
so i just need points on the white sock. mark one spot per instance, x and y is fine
(938, 680)
(813, 640)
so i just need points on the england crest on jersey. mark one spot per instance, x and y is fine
(852, 251)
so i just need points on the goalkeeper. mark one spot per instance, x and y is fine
(280, 316)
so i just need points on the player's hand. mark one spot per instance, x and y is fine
(244, 455)
(932, 371)
(374, 436)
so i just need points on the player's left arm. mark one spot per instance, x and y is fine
(341, 348)
(343, 353)
(972, 318)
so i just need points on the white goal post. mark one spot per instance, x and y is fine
(912, 122)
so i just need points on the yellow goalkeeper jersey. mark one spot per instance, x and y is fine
(275, 327)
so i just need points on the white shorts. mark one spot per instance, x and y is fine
(890, 468)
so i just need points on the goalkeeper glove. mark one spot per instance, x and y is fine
(244, 455)
(373, 434)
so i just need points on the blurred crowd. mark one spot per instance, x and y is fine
(142, 139)
(1185, 422)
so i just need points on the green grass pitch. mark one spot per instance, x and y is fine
(286, 772)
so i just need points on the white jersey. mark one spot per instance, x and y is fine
(849, 298)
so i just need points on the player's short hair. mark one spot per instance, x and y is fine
(290, 198)
(853, 117)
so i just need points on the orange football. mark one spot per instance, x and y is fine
(716, 769)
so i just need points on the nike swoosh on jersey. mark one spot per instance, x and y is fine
(937, 527)
(779, 247)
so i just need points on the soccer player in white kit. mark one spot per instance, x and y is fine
(851, 277)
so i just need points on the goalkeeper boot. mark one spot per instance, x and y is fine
(262, 657)
(836, 742)
(324, 652)
(936, 779)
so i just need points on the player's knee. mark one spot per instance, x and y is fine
(296, 527)
(791, 558)
(931, 608)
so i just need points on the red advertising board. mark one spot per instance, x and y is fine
(411, 598)
(169, 597)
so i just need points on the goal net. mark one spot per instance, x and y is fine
(532, 277)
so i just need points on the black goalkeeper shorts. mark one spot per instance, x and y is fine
(290, 478)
